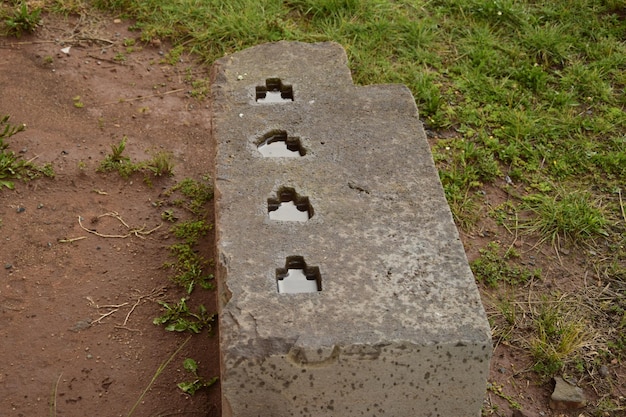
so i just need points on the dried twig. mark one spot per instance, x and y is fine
(621, 204)
(70, 240)
(99, 319)
(124, 100)
(53, 399)
(154, 293)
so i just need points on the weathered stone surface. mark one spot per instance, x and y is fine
(566, 396)
(398, 328)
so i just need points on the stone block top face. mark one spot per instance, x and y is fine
(380, 235)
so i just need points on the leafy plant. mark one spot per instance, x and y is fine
(179, 318)
(23, 20)
(190, 387)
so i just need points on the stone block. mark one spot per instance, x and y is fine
(344, 289)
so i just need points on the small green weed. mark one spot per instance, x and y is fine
(119, 57)
(78, 102)
(492, 267)
(198, 194)
(189, 268)
(116, 161)
(23, 20)
(13, 166)
(190, 387)
(497, 390)
(161, 164)
(169, 215)
(179, 318)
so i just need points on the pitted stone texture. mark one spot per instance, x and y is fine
(398, 328)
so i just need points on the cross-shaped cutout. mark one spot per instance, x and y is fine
(274, 91)
(276, 144)
(288, 206)
(296, 277)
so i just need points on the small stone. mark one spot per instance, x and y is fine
(20, 209)
(8, 266)
(566, 396)
(40, 205)
(117, 20)
(81, 325)
(603, 371)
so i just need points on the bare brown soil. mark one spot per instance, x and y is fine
(76, 332)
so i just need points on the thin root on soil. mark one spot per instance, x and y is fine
(136, 231)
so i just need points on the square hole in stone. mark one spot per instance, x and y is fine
(297, 277)
(289, 206)
(274, 91)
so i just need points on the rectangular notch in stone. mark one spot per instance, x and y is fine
(289, 206)
(274, 91)
(297, 277)
(277, 144)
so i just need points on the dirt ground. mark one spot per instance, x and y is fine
(76, 332)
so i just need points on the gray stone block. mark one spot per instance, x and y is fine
(388, 320)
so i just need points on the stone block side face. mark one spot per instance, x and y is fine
(398, 297)
(397, 380)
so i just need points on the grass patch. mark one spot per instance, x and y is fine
(559, 336)
(493, 267)
(574, 217)
(12, 166)
(23, 19)
(161, 164)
